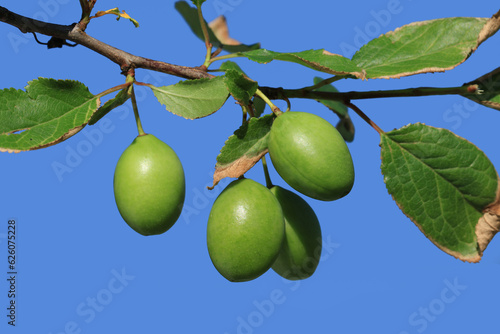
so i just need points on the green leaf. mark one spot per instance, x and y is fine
(420, 47)
(111, 104)
(243, 149)
(190, 15)
(240, 86)
(48, 112)
(424, 47)
(442, 183)
(231, 65)
(193, 99)
(319, 60)
(489, 90)
(345, 127)
(258, 104)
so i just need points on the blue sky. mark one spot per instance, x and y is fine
(81, 269)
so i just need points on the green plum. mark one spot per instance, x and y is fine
(301, 250)
(245, 230)
(311, 156)
(149, 185)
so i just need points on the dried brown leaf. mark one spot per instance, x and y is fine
(237, 168)
(490, 28)
(221, 31)
(489, 224)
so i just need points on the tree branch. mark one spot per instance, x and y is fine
(75, 34)
(279, 93)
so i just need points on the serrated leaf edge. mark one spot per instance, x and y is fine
(475, 258)
(188, 82)
(66, 135)
(223, 169)
(490, 27)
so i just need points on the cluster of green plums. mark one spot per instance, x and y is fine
(251, 228)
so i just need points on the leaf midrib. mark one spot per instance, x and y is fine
(437, 175)
(432, 170)
(57, 119)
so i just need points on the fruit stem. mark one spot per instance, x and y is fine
(136, 112)
(365, 117)
(244, 116)
(275, 109)
(269, 183)
(247, 111)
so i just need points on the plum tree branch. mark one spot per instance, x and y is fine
(279, 93)
(76, 34)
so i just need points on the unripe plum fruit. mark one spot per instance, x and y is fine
(301, 250)
(311, 156)
(149, 185)
(245, 230)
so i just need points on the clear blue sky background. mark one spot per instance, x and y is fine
(83, 270)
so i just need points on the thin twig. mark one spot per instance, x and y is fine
(75, 34)
(364, 117)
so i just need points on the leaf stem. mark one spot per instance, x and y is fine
(113, 89)
(224, 57)
(365, 117)
(136, 112)
(205, 36)
(269, 183)
(275, 109)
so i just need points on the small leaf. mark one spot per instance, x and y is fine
(425, 47)
(442, 183)
(116, 11)
(319, 60)
(240, 86)
(231, 65)
(48, 112)
(190, 15)
(243, 149)
(193, 99)
(345, 127)
(111, 104)
(488, 93)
